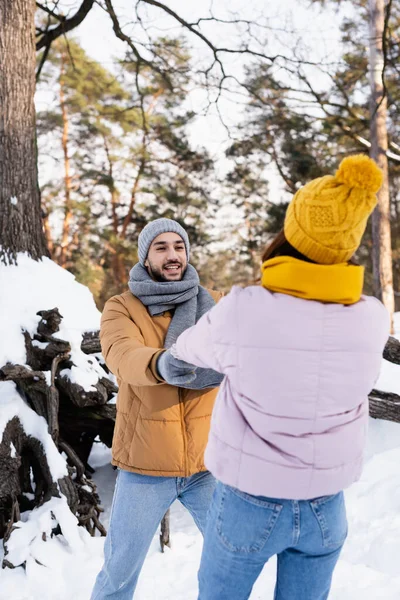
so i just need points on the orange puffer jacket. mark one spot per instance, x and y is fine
(160, 430)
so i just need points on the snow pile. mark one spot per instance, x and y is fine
(12, 405)
(30, 287)
(55, 569)
(29, 540)
(42, 285)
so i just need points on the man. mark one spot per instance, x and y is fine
(163, 407)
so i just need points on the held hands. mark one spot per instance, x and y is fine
(204, 378)
(175, 371)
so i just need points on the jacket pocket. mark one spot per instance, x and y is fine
(330, 512)
(244, 523)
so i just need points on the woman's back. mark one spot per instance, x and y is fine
(291, 416)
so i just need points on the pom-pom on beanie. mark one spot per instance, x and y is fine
(326, 218)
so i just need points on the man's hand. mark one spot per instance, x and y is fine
(175, 371)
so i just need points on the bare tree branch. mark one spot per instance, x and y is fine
(42, 61)
(217, 50)
(50, 12)
(290, 184)
(125, 38)
(66, 25)
(345, 128)
(388, 9)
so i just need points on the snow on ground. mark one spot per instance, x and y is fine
(389, 379)
(368, 565)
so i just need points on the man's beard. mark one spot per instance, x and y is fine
(157, 274)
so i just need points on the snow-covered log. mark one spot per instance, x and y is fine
(56, 399)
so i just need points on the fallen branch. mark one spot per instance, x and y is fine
(392, 351)
(384, 405)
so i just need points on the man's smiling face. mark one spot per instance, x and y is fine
(167, 260)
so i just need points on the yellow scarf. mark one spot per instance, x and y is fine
(341, 283)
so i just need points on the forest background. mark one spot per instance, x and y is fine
(220, 151)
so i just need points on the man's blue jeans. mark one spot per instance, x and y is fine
(244, 531)
(139, 504)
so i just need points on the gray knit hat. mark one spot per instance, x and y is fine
(153, 229)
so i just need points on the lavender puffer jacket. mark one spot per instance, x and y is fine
(290, 419)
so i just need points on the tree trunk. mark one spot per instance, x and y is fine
(250, 243)
(118, 270)
(67, 172)
(117, 261)
(381, 233)
(21, 227)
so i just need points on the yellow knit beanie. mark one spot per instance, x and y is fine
(326, 218)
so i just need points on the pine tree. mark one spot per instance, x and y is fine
(131, 160)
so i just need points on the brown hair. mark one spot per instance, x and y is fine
(281, 247)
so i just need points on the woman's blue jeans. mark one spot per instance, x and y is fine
(244, 531)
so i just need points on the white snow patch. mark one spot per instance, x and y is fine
(29, 536)
(32, 286)
(86, 376)
(389, 378)
(47, 375)
(14, 200)
(13, 450)
(12, 405)
(29, 495)
(99, 456)
(41, 345)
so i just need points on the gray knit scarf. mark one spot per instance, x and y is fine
(187, 298)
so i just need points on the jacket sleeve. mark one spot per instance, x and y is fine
(205, 344)
(123, 347)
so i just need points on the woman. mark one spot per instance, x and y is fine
(300, 353)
